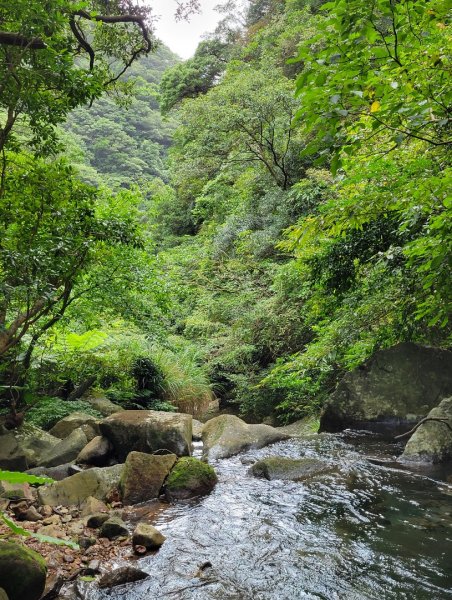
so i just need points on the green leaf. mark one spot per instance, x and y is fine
(17, 477)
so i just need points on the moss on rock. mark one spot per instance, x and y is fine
(22, 572)
(190, 477)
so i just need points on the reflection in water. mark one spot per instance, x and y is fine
(361, 532)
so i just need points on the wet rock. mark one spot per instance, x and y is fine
(395, 387)
(432, 441)
(57, 473)
(66, 451)
(22, 572)
(76, 489)
(143, 476)
(126, 574)
(197, 430)
(227, 435)
(279, 467)
(97, 520)
(74, 421)
(148, 536)
(96, 452)
(12, 457)
(93, 505)
(148, 431)
(189, 478)
(113, 528)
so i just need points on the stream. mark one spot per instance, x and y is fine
(363, 531)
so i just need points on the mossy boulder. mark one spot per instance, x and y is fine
(391, 391)
(280, 467)
(190, 477)
(22, 572)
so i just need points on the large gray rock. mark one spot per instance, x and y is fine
(148, 431)
(432, 441)
(77, 420)
(12, 456)
(227, 435)
(76, 489)
(65, 451)
(395, 387)
(35, 443)
(96, 452)
(144, 475)
(280, 467)
(22, 572)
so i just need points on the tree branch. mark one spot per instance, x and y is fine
(421, 422)
(16, 39)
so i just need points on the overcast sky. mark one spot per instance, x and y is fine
(183, 37)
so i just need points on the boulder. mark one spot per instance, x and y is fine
(77, 420)
(148, 536)
(144, 475)
(57, 473)
(126, 574)
(35, 443)
(280, 467)
(393, 390)
(148, 431)
(96, 452)
(65, 451)
(432, 441)
(74, 490)
(103, 405)
(190, 478)
(197, 430)
(113, 528)
(227, 435)
(12, 456)
(22, 572)
(3, 594)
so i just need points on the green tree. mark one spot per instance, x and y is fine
(59, 54)
(377, 75)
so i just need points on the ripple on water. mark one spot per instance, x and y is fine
(361, 532)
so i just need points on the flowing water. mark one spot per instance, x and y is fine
(363, 531)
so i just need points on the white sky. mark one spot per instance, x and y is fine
(181, 36)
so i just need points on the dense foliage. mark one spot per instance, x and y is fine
(289, 215)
